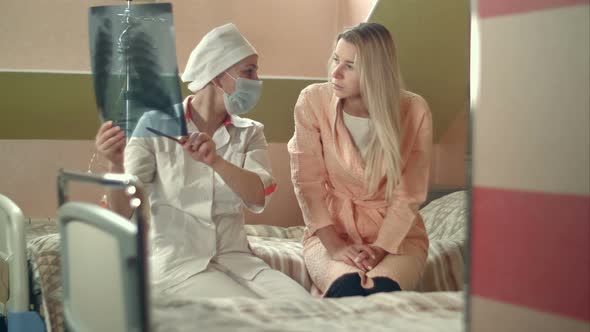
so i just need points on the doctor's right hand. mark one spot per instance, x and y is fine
(200, 147)
(110, 143)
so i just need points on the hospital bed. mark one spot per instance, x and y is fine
(439, 301)
(107, 251)
(15, 294)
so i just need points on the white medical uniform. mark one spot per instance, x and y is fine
(198, 241)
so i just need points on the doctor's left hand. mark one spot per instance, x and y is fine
(200, 147)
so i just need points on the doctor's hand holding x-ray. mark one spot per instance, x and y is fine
(200, 147)
(200, 183)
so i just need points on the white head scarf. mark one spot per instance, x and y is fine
(220, 49)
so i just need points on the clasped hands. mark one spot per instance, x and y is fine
(363, 256)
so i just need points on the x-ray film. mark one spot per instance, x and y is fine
(133, 59)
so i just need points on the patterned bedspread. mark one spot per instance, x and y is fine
(43, 254)
(400, 311)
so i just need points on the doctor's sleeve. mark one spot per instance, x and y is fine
(140, 159)
(257, 160)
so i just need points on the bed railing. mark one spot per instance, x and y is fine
(13, 256)
(134, 190)
(14, 253)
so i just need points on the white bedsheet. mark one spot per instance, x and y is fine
(400, 311)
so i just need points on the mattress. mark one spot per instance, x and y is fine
(398, 311)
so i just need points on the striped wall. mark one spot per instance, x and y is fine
(52, 68)
(47, 113)
(530, 234)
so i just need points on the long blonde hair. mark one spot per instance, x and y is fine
(381, 88)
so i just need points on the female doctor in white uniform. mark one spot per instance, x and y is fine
(198, 242)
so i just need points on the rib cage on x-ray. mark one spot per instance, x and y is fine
(134, 66)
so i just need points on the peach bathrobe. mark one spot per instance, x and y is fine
(327, 173)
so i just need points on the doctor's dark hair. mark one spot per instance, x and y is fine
(381, 88)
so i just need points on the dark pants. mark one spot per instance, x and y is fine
(350, 285)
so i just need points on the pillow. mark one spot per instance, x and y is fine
(446, 217)
(445, 220)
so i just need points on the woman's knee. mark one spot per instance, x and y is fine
(346, 285)
(351, 285)
(383, 285)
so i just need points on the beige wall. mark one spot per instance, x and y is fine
(449, 158)
(31, 181)
(53, 35)
(29, 170)
(353, 12)
(550, 99)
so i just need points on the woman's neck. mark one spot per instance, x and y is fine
(207, 113)
(355, 107)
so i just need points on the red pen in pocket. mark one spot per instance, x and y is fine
(159, 133)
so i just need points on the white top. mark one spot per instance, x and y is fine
(358, 127)
(195, 216)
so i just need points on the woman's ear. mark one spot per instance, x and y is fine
(215, 81)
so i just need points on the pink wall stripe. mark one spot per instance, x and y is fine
(532, 249)
(494, 316)
(491, 8)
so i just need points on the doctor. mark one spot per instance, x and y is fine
(198, 185)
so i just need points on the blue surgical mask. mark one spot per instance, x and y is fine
(244, 97)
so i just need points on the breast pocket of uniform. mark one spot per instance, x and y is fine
(169, 169)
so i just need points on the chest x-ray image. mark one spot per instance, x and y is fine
(134, 68)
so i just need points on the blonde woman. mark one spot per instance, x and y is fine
(360, 159)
